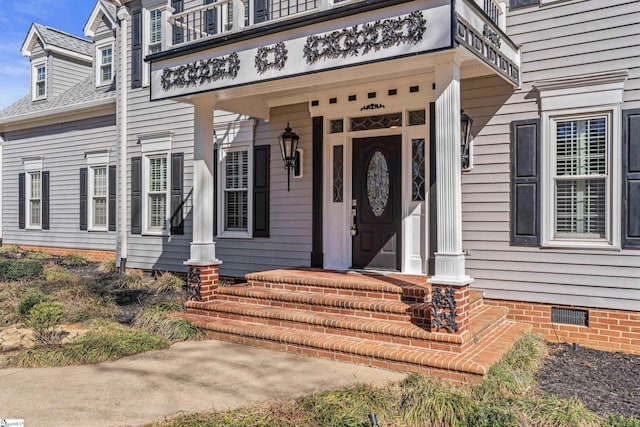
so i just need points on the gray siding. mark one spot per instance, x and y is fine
(558, 40)
(65, 73)
(63, 148)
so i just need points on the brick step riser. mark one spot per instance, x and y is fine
(460, 377)
(357, 312)
(413, 296)
(338, 331)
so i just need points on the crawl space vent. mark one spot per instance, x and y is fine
(569, 316)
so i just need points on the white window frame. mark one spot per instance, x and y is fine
(234, 137)
(31, 168)
(148, 7)
(612, 115)
(153, 146)
(96, 161)
(109, 44)
(34, 79)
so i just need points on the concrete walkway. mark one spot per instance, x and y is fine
(191, 376)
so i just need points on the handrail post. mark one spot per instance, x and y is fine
(326, 4)
(238, 15)
(167, 28)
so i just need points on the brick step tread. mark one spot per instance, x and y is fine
(475, 296)
(474, 360)
(315, 299)
(479, 322)
(388, 283)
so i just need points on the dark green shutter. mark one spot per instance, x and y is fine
(45, 200)
(136, 50)
(317, 137)
(112, 197)
(261, 11)
(178, 36)
(631, 178)
(83, 198)
(525, 182)
(261, 191)
(177, 186)
(21, 201)
(211, 19)
(136, 195)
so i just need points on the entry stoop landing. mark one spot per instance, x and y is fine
(380, 320)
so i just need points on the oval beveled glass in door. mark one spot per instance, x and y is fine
(378, 183)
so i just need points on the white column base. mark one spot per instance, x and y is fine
(450, 270)
(203, 254)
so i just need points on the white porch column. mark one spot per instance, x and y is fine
(450, 268)
(203, 248)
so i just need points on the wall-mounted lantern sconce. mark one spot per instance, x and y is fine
(465, 144)
(288, 147)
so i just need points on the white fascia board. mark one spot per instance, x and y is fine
(28, 41)
(70, 53)
(96, 16)
(86, 108)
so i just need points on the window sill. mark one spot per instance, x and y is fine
(163, 233)
(234, 235)
(104, 84)
(600, 246)
(38, 228)
(97, 230)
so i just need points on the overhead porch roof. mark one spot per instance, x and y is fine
(253, 70)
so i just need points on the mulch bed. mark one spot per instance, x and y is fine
(605, 382)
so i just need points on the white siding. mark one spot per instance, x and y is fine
(65, 73)
(63, 148)
(558, 40)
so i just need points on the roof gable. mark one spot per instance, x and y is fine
(57, 41)
(100, 11)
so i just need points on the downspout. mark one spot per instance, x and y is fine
(123, 16)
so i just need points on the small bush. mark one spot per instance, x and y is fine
(53, 273)
(74, 260)
(110, 341)
(39, 256)
(618, 421)
(109, 266)
(11, 250)
(29, 301)
(167, 282)
(158, 319)
(43, 318)
(21, 269)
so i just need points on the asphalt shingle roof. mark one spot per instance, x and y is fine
(53, 37)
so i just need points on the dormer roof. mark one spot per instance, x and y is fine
(101, 10)
(58, 42)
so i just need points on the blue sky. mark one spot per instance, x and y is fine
(16, 17)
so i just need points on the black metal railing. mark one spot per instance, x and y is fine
(493, 11)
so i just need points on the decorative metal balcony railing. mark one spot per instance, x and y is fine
(224, 16)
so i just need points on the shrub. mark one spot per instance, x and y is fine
(12, 270)
(618, 421)
(133, 280)
(53, 273)
(167, 282)
(109, 266)
(158, 319)
(74, 260)
(29, 301)
(39, 256)
(43, 318)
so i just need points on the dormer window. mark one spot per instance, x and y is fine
(104, 68)
(39, 76)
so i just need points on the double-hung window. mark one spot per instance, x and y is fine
(235, 178)
(34, 205)
(98, 199)
(39, 76)
(104, 56)
(581, 178)
(156, 189)
(154, 31)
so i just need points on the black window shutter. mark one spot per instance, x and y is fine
(261, 12)
(21, 201)
(112, 197)
(178, 36)
(45, 200)
(83, 198)
(631, 178)
(177, 186)
(211, 19)
(525, 182)
(136, 195)
(261, 191)
(136, 50)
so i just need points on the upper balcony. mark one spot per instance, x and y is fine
(228, 16)
(245, 49)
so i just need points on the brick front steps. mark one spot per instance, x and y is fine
(377, 320)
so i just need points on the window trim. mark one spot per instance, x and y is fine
(236, 136)
(613, 178)
(108, 44)
(29, 198)
(146, 228)
(91, 195)
(148, 7)
(34, 79)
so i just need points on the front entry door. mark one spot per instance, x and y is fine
(377, 202)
